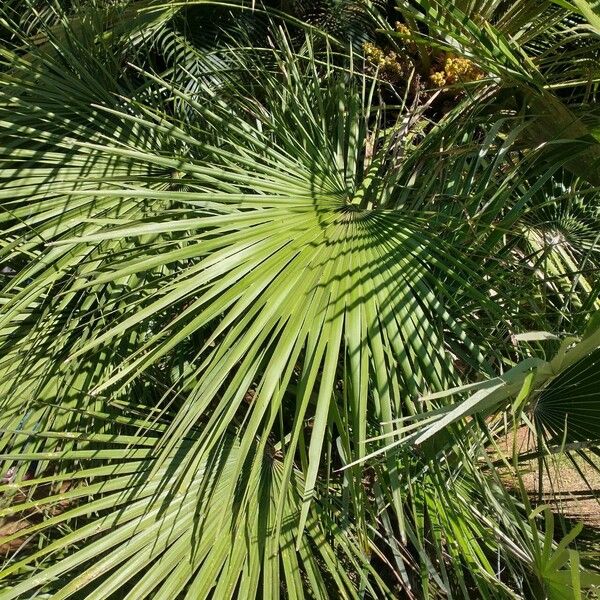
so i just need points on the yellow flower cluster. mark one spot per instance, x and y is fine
(402, 28)
(461, 69)
(389, 64)
(405, 32)
(438, 78)
(374, 53)
(456, 70)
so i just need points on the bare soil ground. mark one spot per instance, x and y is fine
(572, 489)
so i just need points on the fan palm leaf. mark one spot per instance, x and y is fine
(221, 286)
